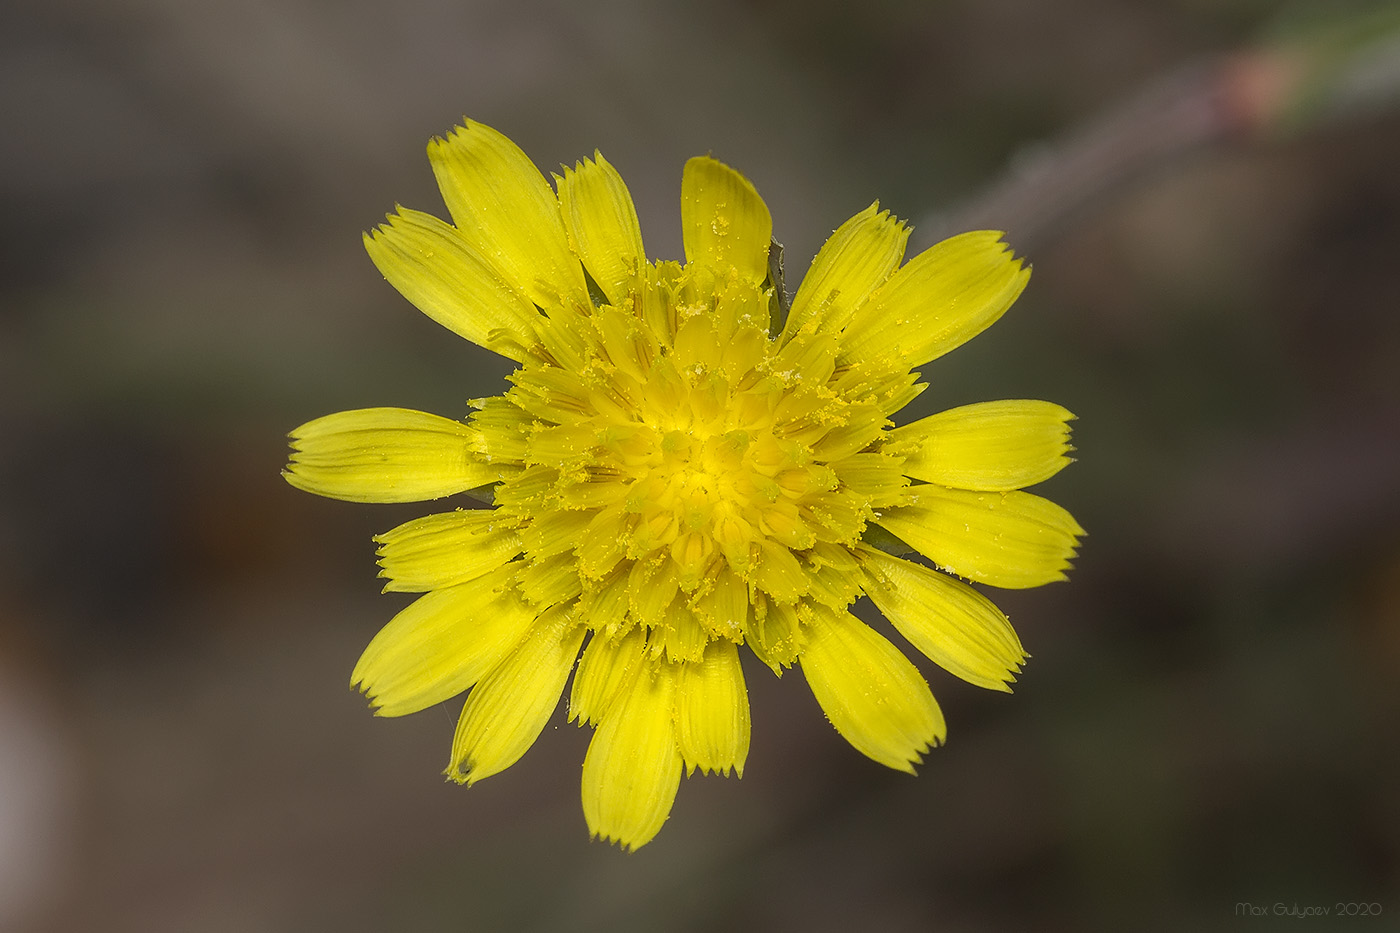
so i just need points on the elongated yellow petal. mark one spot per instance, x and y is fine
(1008, 539)
(440, 645)
(505, 210)
(712, 711)
(855, 261)
(435, 269)
(633, 769)
(955, 626)
(385, 455)
(941, 299)
(445, 549)
(607, 665)
(505, 713)
(724, 223)
(602, 225)
(988, 446)
(871, 693)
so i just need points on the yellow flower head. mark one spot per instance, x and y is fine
(677, 471)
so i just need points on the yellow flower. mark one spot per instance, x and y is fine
(678, 471)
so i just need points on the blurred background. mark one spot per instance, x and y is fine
(1208, 193)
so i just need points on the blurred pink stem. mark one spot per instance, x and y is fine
(1235, 97)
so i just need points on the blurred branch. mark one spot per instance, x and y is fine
(1325, 74)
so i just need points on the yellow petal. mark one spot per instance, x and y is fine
(505, 210)
(504, 714)
(654, 584)
(633, 769)
(550, 581)
(864, 423)
(441, 550)
(503, 429)
(440, 645)
(550, 533)
(871, 693)
(606, 666)
(878, 476)
(697, 344)
(385, 455)
(724, 222)
(955, 626)
(451, 283)
(988, 446)
(779, 574)
(855, 261)
(680, 632)
(602, 225)
(712, 711)
(941, 299)
(775, 634)
(1008, 539)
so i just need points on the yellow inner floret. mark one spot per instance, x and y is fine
(686, 472)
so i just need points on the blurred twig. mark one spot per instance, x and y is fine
(1348, 66)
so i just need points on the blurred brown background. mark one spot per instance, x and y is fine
(1210, 716)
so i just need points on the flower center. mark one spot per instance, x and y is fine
(678, 468)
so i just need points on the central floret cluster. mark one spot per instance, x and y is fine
(689, 474)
